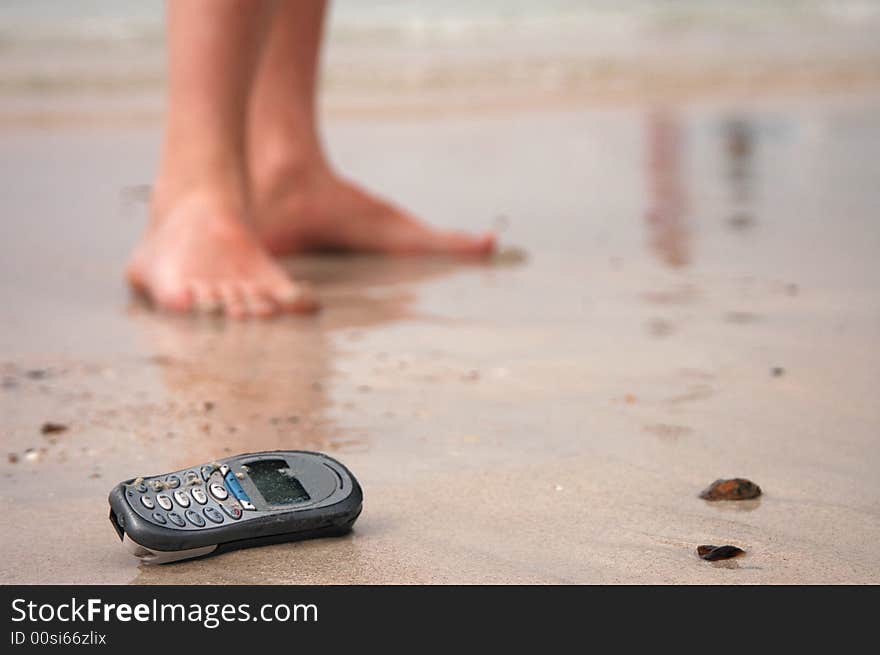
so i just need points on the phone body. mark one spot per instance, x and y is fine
(252, 499)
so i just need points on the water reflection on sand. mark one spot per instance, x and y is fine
(687, 311)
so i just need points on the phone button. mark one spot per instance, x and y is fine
(195, 519)
(213, 514)
(206, 471)
(142, 487)
(181, 498)
(159, 517)
(176, 519)
(172, 482)
(234, 511)
(191, 477)
(199, 494)
(219, 491)
(164, 501)
(147, 502)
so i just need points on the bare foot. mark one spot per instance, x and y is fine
(198, 255)
(319, 210)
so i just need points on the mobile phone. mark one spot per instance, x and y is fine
(253, 499)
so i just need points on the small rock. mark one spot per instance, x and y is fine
(12, 458)
(741, 221)
(733, 489)
(207, 406)
(53, 428)
(37, 374)
(659, 327)
(31, 455)
(777, 371)
(714, 553)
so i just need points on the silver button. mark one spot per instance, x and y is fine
(181, 498)
(147, 502)
(232, 510)
(199, 494)
(195, 519)
(219, 491)
(164, 501)
(213, 514)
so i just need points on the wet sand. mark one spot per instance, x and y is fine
(547, 418)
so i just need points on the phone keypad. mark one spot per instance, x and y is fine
(205, 486)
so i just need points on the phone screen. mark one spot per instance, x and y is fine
(276, 482)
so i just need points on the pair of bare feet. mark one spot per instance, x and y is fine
(211, 246)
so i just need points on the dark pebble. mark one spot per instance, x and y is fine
(777, 371)
(715, 553)
(734, 489)
(53, 428)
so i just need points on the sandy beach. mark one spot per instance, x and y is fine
(548, 417)
(688, 289)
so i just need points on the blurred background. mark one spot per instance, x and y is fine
(78, 60)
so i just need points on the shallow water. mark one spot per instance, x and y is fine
(548, 418)
(101, 61)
